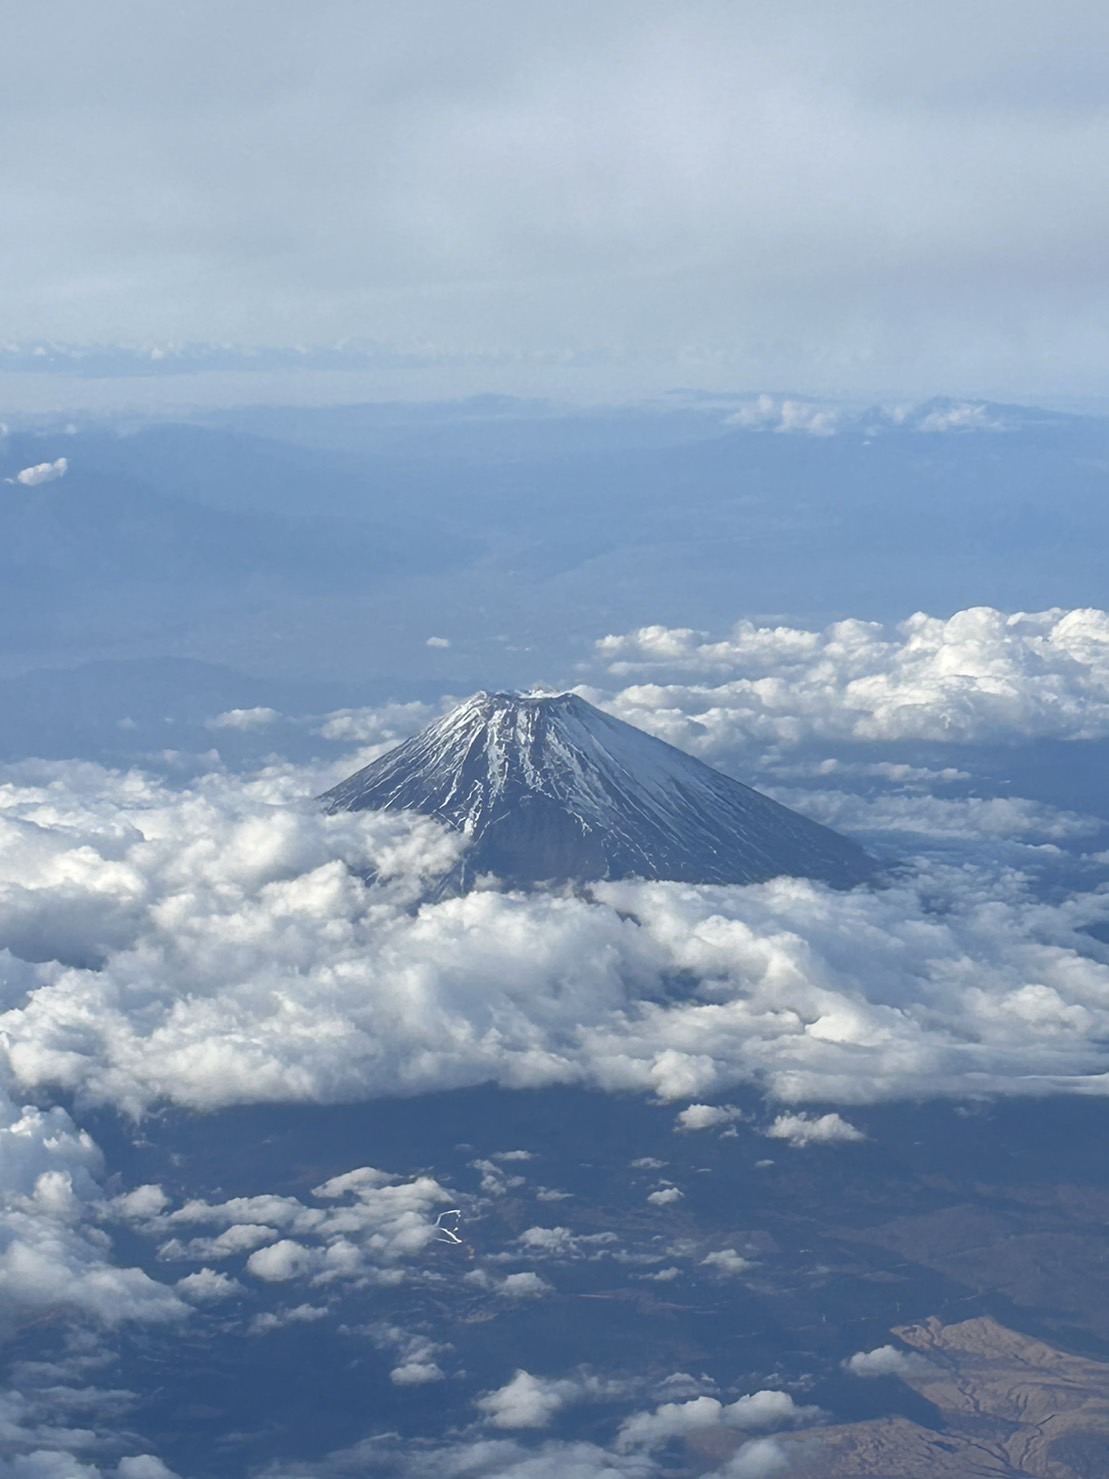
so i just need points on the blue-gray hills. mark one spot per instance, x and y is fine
(551, 790)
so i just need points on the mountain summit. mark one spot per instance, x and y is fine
(552, 790)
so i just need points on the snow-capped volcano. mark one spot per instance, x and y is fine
(550, 789)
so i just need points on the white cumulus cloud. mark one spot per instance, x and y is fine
(808, 1129)
(527, 1401)
(758, 1459)
(42, 472)
(207, 1285)
(979, 675)
(885, 1360)
(358, 1226)
(256, 718)
(773, 413)
(756, 1412)
(707, 1116)
(416, 1373)
(664, 1196)
(726, 1261)
(279, 1261)
(524, 1285)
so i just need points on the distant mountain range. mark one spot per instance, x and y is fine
(550, 789)
(332, 542)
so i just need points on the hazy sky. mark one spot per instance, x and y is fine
(829, 196)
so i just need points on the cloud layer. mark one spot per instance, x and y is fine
(52, 1258)
(220, 945)
(977, 676)
(766, 195)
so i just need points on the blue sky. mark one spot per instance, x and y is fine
(847, 198)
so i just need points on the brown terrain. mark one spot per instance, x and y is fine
(1009, 1406)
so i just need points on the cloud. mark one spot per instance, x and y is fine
(494, 1179)
(416, 1374)
(1003, 820)
(144, 1466)
(416, 1355)
(46, 1405)
(256, 718)
(378, 727)
(527, 1401)
(756, 1412)
(562, 1243)
(768, 197)
(707, 1116)
(768, 413)
(726, 1261)
(549, 1240)
(756, 1460)
(417, 1366)
(360, 1227)
(966, 416)
(298, 1314)
(885, 1360)
(42, 472)
(526, 1285)
(53, 1258)
(139, 1204)
(280, 1261)
(664, 1196)
(438, 642)
(219, 945)
(807, 1129)
(51, 1464)
(207, 1285)
(234, 1240)
(980, 675)
(473, 1456)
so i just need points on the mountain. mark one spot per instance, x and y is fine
(552, 790)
